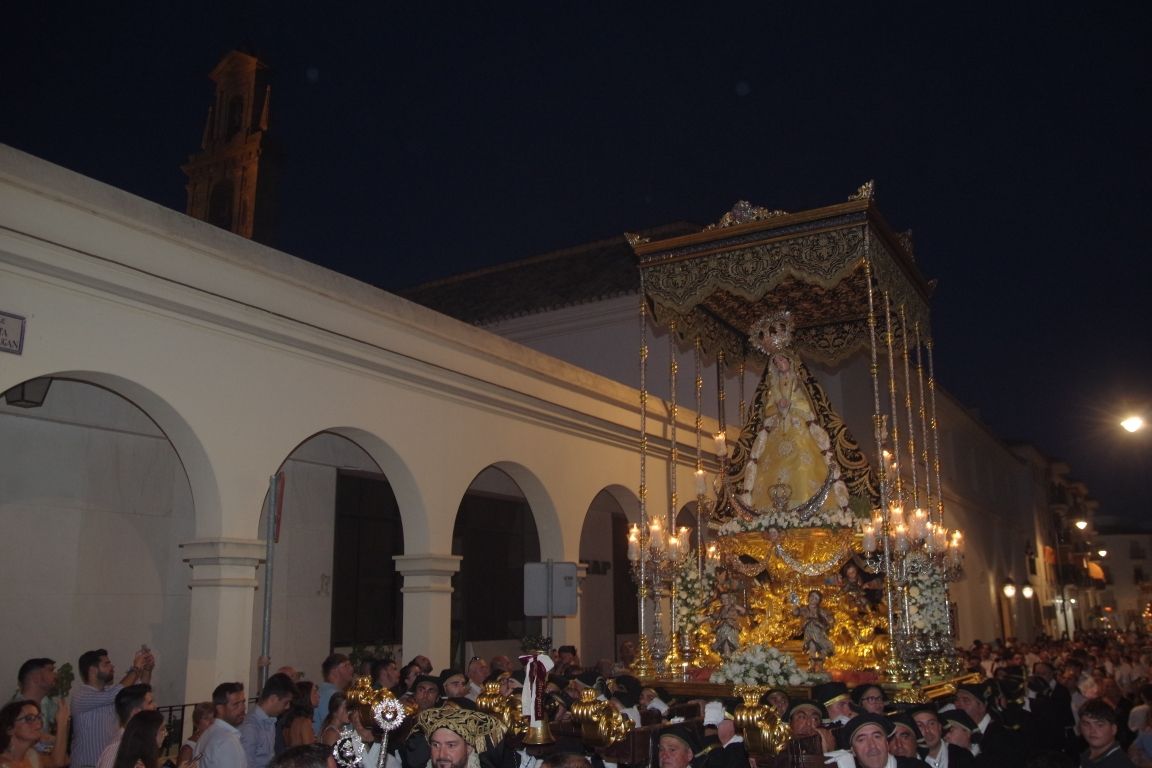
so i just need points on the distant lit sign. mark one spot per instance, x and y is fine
(11, 333)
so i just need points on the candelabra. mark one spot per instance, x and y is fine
(655, 558)
(920, 553)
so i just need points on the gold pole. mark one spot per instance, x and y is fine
(643, 652)
(908, 407)
(892, 663)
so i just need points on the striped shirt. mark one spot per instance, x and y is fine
(94, 722)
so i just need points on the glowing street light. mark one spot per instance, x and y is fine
(1133, 423)
(1081, 524)
(1102, 552)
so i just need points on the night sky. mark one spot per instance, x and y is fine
(428, 139)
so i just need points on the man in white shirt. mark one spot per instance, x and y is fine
(220, 745)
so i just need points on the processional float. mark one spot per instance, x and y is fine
(815, 554)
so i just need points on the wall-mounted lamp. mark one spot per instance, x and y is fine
(30, 394)
(1081, 524)
(1009, 588)
(1102, 552)
(1027, 591)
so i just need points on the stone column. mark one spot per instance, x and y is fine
(220, 616)
(428, 605)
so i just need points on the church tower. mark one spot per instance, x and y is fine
(232, 180)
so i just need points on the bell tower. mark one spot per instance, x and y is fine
(232, 180)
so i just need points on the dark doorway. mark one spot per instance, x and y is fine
(367, 606)
(495, 536)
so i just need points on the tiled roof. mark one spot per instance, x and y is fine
(579, 275)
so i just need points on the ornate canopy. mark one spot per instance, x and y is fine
(716, 283)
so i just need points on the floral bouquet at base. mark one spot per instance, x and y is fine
(764, 665)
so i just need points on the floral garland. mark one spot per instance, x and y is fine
(764, 665)
(694, 591)
(927, 601)
(832, 518)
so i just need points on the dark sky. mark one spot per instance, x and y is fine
(425, 139)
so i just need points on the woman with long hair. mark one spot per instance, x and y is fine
(21, 727)
(338, 717)
(296, 723)
(140, 745)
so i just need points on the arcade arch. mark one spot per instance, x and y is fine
(334, 585)
(608, 594)
(496, 531)
(95, 488)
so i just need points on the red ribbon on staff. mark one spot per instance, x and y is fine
(536, 675)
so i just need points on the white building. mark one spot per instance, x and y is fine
(189, 365)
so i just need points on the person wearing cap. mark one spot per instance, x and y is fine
(863, 743)
(625, 703)
(937, 752)
(834, 696)
(458, 738)
(1098, 726)
(992, 743)
(779, 701)
(809, 741)
(903, 737)
(454, 684)
(677, 747)
(426, 692)
(728, 749)
(958, 728)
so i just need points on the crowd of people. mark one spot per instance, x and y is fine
(1033, 705)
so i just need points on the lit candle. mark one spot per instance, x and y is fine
(634, 543)
(656, 536)
(721, 445)
(941, 534)
(701, 488)
(713, 553)
(673, 548)
(901, 537)
(896, 516)
(869, 538)
(919, 524)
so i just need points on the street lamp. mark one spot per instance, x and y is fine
(1027, 591)
(1133, 423)
(1102, 552)
(1081, 524)
(1009, 588)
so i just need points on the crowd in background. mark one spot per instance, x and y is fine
(1043, 703)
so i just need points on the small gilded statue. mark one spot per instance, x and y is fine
(727, 620)
(815, 624)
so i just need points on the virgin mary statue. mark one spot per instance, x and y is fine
(790, 476)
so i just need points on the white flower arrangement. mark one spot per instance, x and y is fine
(694, 591)
(764, 665)
(927, 602)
